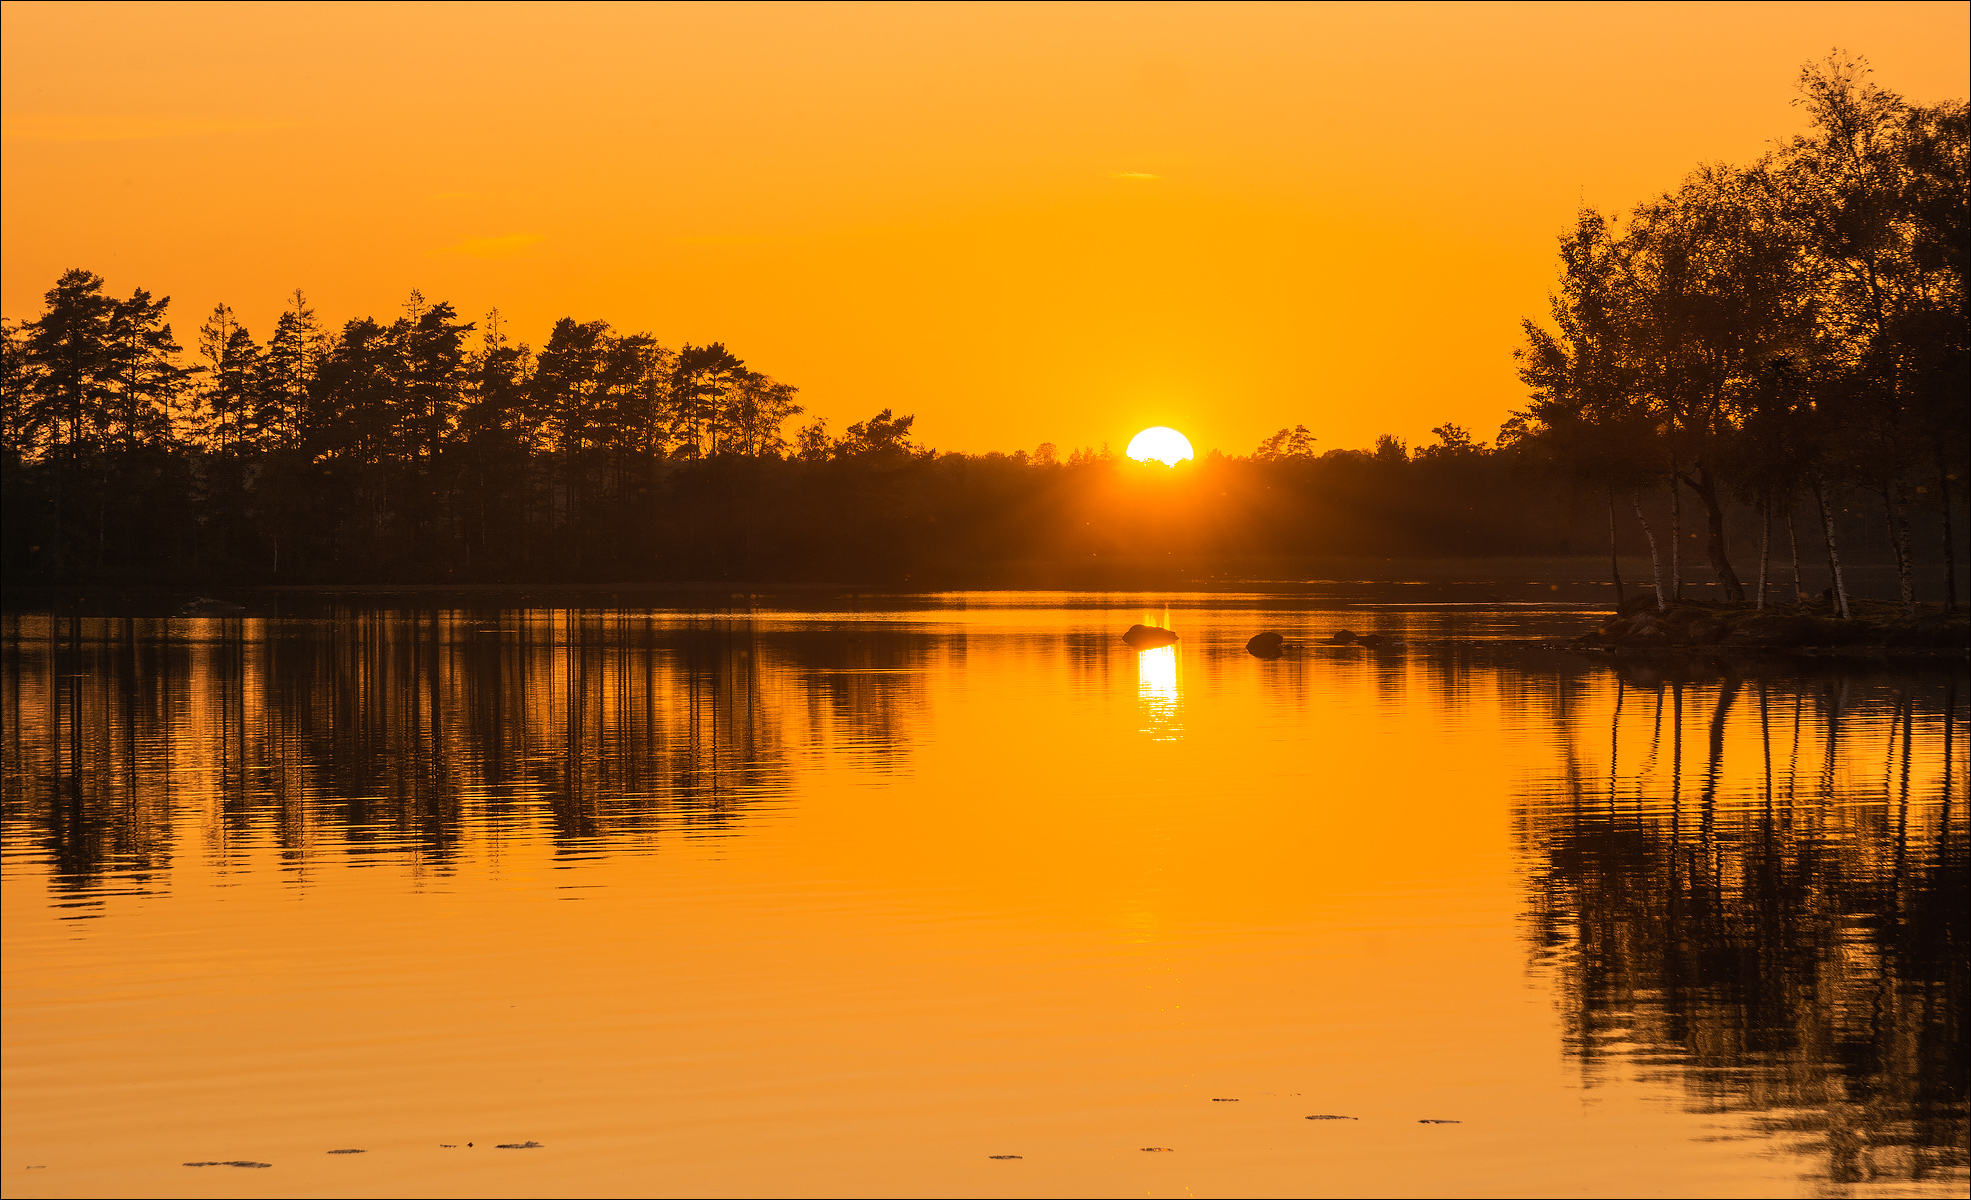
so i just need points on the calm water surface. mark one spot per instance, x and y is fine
(777, 902)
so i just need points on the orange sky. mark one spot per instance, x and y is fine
(1021, 223)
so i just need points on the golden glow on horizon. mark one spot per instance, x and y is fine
(1015, 222)
(1160, 443)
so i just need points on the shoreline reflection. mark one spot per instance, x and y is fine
(1753, 889)
(394, 729)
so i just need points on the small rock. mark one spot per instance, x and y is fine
(1331, 1117)
(1005, 1156)
(518, 1146)
(1432, 1122)
(206, 606)
(348, 1152)
(1158, 1150)
(1341, 637)
(1224, 1099)
(1147, 637)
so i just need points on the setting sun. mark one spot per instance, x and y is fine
(1160, 443)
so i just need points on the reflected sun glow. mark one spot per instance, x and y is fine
(1160, 443)
(1156, 685)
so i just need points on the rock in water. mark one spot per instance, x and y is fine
(1266, 645)
(1341, 637)
(1148, 637)
(206, 606)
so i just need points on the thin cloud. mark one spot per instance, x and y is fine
(491, 247)
(124, 127)
(1133, 175)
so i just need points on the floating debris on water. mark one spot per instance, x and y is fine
(1429, 1121)
(1005, 1156)
(1224, 1099)
(237, 1162)
(448, 1145)
(518, 1146)
(348, 1152)
(1158, 1150)
(1332, 1117)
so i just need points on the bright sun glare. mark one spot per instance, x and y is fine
(1160, 443)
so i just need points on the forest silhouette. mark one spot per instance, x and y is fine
(1771, 355)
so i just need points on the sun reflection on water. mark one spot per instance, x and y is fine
(1156, 684)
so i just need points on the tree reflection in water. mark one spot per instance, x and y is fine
(1755, 885)
(373, 730)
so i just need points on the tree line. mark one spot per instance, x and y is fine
(1764, 338)
(1777, 334)
(433, 449)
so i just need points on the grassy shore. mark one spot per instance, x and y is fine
(1639, 625)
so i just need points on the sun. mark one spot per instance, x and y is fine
(1160, 443)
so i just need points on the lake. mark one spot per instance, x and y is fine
(958, 895)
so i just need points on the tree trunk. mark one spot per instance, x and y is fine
(57, 544)
(1950, 546)
(1706, 488)
(1765, 547)
(1793, 542)
(1676, 536)
(1655, 559)
(1833, 554)
(1614, 563)
(1895, 498)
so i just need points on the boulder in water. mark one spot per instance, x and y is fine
(1266, 645)
(1148, 637)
